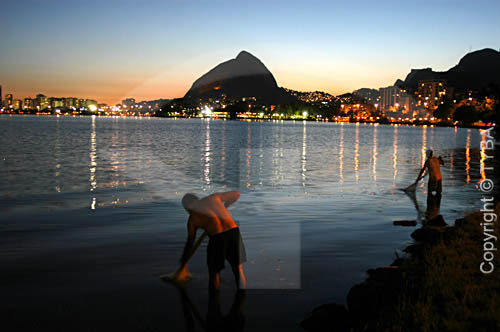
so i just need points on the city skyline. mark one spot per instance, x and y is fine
(151, 50)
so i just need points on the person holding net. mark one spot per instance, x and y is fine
(432, 166)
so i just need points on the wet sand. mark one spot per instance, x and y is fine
(92, 289)
(84, 276)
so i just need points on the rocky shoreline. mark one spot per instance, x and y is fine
(439, 276)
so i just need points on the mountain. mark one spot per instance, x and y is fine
(473, 72)
(244, 76)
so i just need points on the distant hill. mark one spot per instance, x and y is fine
(370, 95)
(313, 97)
(351, 98)
(244, 76)
(474, 71)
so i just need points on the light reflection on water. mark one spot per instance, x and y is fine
(304, 154)
(93, 162)
(341, 155)
(467, 157)
(356, 154)
(306, 187)
(395, 153)
(375, 153)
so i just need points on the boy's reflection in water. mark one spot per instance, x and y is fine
(189, 310)
(234, 321)
(433, 206)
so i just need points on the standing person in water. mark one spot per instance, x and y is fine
(432, 165)
(225, 243)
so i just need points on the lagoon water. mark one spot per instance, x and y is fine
(91, 213)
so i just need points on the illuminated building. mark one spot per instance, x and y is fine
(91, 102)
(70, 102)
(393, 98)
(17, 104)
(432, 92)
(129, 102)
(57, 102)
(8, 100)
(42, 102)
(1, 98)
(29, 103)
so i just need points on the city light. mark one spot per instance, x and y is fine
(392, 104)
(207, 111)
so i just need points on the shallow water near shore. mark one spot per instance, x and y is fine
(91, 213)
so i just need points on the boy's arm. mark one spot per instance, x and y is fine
(421, 172)
(191, 230)
(229, 197)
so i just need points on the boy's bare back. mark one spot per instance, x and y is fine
(211, 214)
(434, 168)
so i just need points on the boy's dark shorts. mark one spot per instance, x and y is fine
(226, 245)
(434, 185)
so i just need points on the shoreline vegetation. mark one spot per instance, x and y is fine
(333, 120)
(437, 286)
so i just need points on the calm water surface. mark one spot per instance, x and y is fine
(91, 207)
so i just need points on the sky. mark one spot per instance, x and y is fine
(110, 50)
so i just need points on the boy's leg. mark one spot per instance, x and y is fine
(213, 281)
(215, 263)
(239, 276)
(183, 274)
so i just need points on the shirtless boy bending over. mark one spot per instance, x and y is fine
(225, 243)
